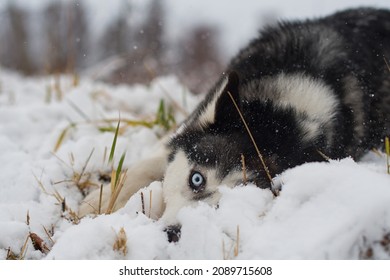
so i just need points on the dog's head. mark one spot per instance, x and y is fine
(246, 132)
(211, 149)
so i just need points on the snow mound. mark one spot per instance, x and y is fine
(54, 140)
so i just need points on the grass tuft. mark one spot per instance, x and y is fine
(120, 244)
(165, 116)
(103, 125)
(67, 212)
(82, 179)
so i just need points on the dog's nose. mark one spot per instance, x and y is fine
(173, 233)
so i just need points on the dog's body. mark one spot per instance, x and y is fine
(305, 91)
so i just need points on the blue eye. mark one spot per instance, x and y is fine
(196, 181)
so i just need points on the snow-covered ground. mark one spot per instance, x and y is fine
(49, 127)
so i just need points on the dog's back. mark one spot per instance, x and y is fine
(347, 52)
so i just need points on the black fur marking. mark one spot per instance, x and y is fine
(224, 108)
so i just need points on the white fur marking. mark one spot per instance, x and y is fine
(177, 193)
(305, 95)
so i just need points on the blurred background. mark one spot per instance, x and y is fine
(133, 41)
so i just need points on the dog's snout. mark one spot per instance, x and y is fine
(173, 233)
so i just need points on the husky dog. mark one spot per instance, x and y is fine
(302, 91)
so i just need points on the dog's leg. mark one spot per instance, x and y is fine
(137, 177)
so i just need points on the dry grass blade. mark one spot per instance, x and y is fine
(98, 124)
(49, 234)
(10, 255)
(113, 183)
(150, 203)
(387, 63)
(116, 191)
(387, 142)
(324, 156)
(142, 203)
(23, 251)
(62, 137)
(252, 139)
(236, 248)
(40, 184)
(244, 177)
(57, 88)
(28, 218)
(73, 216)
(80, 176)
(148, 124)
(63, 205)
(100, 199)
(376, 152)
(79, 111)
(224, 254)
(105, 154)
(227, 253)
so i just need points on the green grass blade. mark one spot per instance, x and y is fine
(62, 136)
(119, 169)
(165, 116)
(112, 152)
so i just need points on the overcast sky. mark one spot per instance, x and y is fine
(238, 20)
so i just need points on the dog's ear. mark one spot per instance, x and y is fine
(225, 109)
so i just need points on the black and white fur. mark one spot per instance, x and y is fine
(306, 89)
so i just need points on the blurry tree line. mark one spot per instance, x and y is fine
(59, 39)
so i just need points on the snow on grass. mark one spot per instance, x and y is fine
(335, 210)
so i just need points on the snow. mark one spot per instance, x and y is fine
(335, 210)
